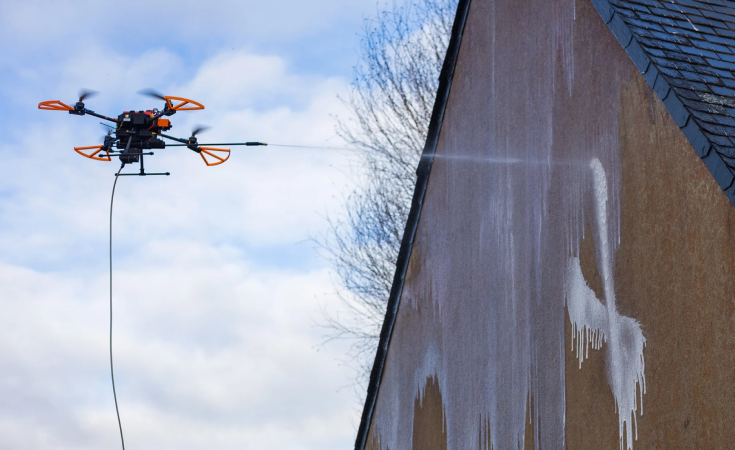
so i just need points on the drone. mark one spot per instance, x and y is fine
(136, 131)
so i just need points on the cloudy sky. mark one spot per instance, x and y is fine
(217, 287)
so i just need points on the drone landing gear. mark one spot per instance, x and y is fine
(142, 172)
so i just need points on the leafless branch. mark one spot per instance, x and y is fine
(391, 101)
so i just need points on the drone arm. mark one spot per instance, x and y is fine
(183, 141)
(249, 144)
(92, 113)
(193, 146)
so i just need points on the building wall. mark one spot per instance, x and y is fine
(563, 204)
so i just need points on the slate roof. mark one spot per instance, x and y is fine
(685, 50)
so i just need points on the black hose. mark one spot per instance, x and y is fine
(112, 371)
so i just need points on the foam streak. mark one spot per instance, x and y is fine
(594, 323)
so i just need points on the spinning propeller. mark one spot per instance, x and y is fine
(136, 131)
(212, 152)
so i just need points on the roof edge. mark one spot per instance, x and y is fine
(666, 94)
(422, 180)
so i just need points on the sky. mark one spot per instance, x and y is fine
(217, 286)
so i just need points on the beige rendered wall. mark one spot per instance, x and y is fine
(555, 163)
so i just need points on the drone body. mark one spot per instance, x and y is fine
(136, 131)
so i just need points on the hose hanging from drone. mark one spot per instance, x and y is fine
(147, 124)
(112, 371)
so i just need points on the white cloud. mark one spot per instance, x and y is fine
(215, 345)
(74, 24)
(209, 352)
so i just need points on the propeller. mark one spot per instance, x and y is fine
(86, 93)
(167, 111)
(152, 93)
(199, 129)
(192, 144)
(212, 156)
(79, 107)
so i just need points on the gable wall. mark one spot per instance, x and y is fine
(482, 349)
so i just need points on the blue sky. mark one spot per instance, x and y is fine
(217, 287)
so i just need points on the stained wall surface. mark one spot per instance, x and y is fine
(570, 284)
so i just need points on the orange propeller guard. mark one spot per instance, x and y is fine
(209, 150)
(182, 106)
(54, 105)
(92, 155)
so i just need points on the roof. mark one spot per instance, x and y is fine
(685, 50)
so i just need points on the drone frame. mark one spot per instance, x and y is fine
(212, 156)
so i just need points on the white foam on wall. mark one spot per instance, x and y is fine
(587, 314)
(485, 312)
(592, 323)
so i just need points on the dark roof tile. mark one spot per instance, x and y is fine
(663, 61)
(681, 65)
(728, 154)
(722, 9)
(724, 40)
(723, 91)
(712, 129)
(700, 52)
(693, 5)
(700, 20)
(704, 107)
(646, 25)
(671, 14)
(701, 28)
(668, 37)
(659, 19)
(654, 52)
(726, 33)
(726, 57)
(685, 50)
(642, 33)
(656, 45)
(679, 31)
(688, 10)
(728, 82)
(723, 74)
(712, 46)
(687, 84)
(703, 116)
(717, 15)
(670, 72)
(649, 3)
(719, 141)
(634, 6)
(706, 79)
(727, 65)
(628, 13)
(672, 52)
(691, 95)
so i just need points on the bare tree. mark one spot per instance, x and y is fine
(391, 101)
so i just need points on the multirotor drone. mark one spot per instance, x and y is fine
(136, 131)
